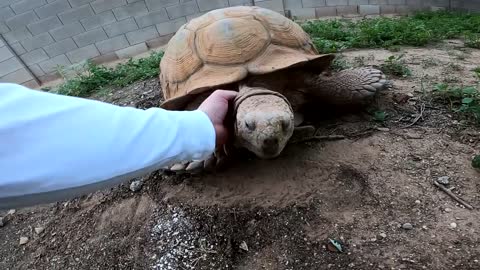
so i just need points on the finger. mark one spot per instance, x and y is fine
(226, 94)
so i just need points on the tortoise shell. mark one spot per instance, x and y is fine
(226, 45)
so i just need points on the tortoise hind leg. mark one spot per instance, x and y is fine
(350, 86)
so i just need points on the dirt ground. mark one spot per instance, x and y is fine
(372, 192)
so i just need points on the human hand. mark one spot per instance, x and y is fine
(216, 108)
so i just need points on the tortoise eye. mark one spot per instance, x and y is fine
(250, 125)
(285, 125)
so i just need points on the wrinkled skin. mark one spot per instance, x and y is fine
(264, 125)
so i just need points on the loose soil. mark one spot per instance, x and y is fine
(282, 213)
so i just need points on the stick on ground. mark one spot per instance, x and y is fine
(450, 193)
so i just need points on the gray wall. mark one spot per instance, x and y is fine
(45, 33)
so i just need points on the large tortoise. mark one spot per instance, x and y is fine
(273, 64)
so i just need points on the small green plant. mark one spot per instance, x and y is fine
(464, 100)
(340, 63)
(477, 72)
(429, 62)
(96, 78)
(395, 65)
(472, 40)
(476, 162)
(379, 116)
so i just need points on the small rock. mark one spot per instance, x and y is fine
(448, 210)
(382, 235)
(23, 240)
(453, 225)
(11, 212)
(244, 246)
(444, 180)
(136, 185)
(418, 202)
(2, 222)
(407, 226)
(383, 129)
(39, 230)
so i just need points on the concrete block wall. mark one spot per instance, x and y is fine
(44, 34)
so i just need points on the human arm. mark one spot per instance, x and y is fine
(54, 147)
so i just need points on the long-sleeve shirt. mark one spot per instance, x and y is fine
(55, 147)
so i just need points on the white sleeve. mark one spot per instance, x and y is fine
(54, 147)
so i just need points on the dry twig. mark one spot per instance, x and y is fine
(450, 193)
(420, 115)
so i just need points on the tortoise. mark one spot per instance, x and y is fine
(272, 63)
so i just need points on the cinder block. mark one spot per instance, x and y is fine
(303, 13)
(347, 10)
(66, 31)
(21, 20)
(133, 1)
(18, 76)
(90, 37)
(112, 44)
(402, 9)
(312, 3)
(358, 2)
(34, 56)
(36, 42)
(159, 4)
(76, 14)
(82, 54)
(109, 57)
(60, 47)
(36, 70)
(291, 4)
(241, 2)
(3, 28)
(193, 16)
(130, 10)
(5, 13)
(77, 3)
(206, 5)
(101, 19)
(6, 2)
(400, 2)
(52, 9)
(387, 9)
(132, 51)
(51, 65)
(44, 25)
(32, 84)
(103, 5)
(443, 3)
(142, 35)
(17, 35)
(326, 12)
(160, 41)
(275, 5)
(170, 26)
(369, 9)
(18, 48)
(9, 66)
(378, 2)
(182, 10)
(152, 18)
(337, 2)
(23, 6)
(5, 53)
(120, 27)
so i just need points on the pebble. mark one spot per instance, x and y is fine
(244, 246)
(453, 225)
(448, 210)
(11, 212)
(39, 230)
(382, 235)
(383, 129)
(2, 222)
(418, 202)
(23, 240)
(444, 180)
(407, 226)
(136, 185)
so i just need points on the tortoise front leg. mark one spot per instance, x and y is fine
(350, 86)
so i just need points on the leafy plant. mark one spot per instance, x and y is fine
(96, 78)
(464, 100)
(395, 65)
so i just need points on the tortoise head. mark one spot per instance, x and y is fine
(264, 121)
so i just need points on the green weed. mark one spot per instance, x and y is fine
(395, 65)
(96, 78)
(417, 30)
(464, 100)
(340, 63)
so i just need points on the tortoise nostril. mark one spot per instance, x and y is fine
(271, 142)
(250, 125)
